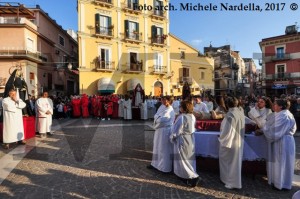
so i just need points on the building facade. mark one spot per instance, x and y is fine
(249, 77)
(228, 69)
(280, 63)
(30, 38)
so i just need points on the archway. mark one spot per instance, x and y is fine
(158, 89)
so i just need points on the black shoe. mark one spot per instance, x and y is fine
(50, 133)
(151, 167)
(193, 182)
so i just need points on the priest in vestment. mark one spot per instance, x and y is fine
(162, 147)
(13, 129)
(183, 141)
(127, 108)
(232, 145)
(279, 130)
(139, 95)
(45, 112)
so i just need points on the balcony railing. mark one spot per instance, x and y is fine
(159, 69)
(105, 66)
(104, 31)
(159, 39)
(20, 20)
(134, 67)
(106, 3)
(295, 75)
(279, 57)
(133, 36)
(36, 56)
(189, 80)
(222, 76)
(131, 7)
(158, 13)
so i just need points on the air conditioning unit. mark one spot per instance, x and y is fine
(57, 52)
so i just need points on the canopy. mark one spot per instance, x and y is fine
(106, 85)
(131, 84)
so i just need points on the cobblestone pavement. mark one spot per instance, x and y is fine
(88, 158)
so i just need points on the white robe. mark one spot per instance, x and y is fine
(44, 120)
(261, 119)
(13, 129)
(138, 97)
(175, 106)
(162, 147)
(151, 108)
(183, 141)
(121, 108)
(279, 130)
(231, 148)
(127, 110)
(143, 110)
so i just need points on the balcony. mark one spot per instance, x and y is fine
(182, 80)
(281, 76)
(222, 76)
(23, 54)
(158, 14)
(280, 57)
(105, 66)
(159, 40)
(133, 37)
(131, 7)
(18, 20)
(159, 70)
(104, 32)
(134, 67)
(104, 3)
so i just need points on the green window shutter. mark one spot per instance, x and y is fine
(129, 3)
(126, 28)
(109, 25)
(138, 31)
(154, 31)
(97, 23)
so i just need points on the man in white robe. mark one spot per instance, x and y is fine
(279, 130)
(13, 129)
(232, 145)
(127, 108)
(45, 112)
(162, 147)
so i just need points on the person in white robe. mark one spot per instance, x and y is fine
(259, 113)
(121, 107)
(279, 130)
(162, 147)
(13, 129)
(127, 108)
(183, 141)
(45, 112)
(232, 145)
(143, 110)
(176, 105)
(151, 108)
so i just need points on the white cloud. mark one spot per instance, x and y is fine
(196, 42)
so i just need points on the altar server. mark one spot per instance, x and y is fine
(232, 145)
(45, 112)
(162, 147)
(13, 129)
(183, 141)
(279, 130)
(127, 108)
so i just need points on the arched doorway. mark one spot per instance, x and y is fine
(158, 89)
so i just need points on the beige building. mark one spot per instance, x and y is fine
(30, 38)
(120, 46)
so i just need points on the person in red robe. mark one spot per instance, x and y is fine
(115, 100)
(85, 106)
(76, 107)
(94, 106)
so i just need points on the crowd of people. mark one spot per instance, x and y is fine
(174, 122)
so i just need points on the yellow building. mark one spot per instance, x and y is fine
(120, 46)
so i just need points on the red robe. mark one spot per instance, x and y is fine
(115, 113)
(85, 106)
(94, 106)
(109, 110)
(76, 107)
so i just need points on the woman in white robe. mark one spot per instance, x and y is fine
(162, 147)
(13, 129)
(261, 111)
(183, 140)
(279, 130)
(232, 145)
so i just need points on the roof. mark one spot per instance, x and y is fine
(15, 9)
(172, 35)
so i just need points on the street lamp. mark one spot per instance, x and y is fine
(70, 66)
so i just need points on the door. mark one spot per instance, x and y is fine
(158, 89)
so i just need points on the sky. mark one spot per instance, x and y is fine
(243, 30)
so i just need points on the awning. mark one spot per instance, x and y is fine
(106, 85)
(131, 84)
(279, 86)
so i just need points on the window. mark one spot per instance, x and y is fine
(104, 58)
(280, 71)
(280, 52)
(31, 76)
(202, 75)
(131, 30)
(132, 4)
(61, 41)
(30, 45)
(157, 35)
(186, 72)
(103, 25)
(182, 55)
(158, 8)
(158, 62)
